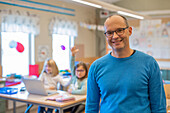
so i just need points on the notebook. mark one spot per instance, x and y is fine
(35, 86)
(61, 98)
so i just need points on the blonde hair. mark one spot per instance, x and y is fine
(50, 62)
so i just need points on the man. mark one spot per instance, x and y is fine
(125, 80)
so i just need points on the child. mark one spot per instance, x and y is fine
(79, 80)
(50, 77)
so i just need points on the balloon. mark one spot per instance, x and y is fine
(63, 47)
(20, 47)
(12, 44)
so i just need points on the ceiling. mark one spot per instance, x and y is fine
(147, 7)
(110, 1)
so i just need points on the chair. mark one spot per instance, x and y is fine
(34, 70)
(167, 94)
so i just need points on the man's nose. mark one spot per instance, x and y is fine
(115, 35)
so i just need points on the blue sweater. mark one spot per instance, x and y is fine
(125, 85)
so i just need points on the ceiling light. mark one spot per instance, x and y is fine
(131, 15)
(88, 3)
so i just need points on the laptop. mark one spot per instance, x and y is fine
(35, 86)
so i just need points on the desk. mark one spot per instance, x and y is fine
(42, 100)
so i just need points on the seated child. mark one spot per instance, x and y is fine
(50, 77)
(78, 84)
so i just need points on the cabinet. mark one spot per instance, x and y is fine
(2, 101)
(2, 106)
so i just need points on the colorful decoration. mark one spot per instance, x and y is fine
(19, 47)
(66, 72)
(63, 47)
(43, 52)
(13, 44)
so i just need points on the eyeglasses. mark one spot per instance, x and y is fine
(79, 70)
(119, 32)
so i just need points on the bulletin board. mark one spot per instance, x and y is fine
(152, 37)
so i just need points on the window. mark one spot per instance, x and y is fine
(17, 50)
(61, 50)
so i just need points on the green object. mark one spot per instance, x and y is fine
(2, 106)
(2, 101)
(2, 83)
(15, 76)
(18, 76)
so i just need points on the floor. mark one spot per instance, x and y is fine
(23, 108)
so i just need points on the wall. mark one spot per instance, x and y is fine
(157, 45)
(82, 14)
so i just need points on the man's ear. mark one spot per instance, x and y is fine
(130, 31)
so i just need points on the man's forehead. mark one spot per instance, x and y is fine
(114, 19)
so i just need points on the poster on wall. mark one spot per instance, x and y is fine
(43, 53)
(152, 37)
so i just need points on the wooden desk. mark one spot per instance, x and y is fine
(41, 100)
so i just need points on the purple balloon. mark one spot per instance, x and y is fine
(63, 47)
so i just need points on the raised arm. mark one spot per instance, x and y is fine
(74, 50)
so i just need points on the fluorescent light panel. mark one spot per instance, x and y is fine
(131, 15)
(88, 3)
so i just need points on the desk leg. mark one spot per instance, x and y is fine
(60, 110)
(14, 107)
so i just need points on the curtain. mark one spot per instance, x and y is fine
(62, 26)
(17, 21)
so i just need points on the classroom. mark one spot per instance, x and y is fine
(33, 32)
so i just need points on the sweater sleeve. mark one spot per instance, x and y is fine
(82, 90)
(156, 90)
(59, 79)
(93, 92)
(72, 63)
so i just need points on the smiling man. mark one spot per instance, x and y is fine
(125, 80)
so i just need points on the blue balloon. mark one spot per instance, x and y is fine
(13, 44)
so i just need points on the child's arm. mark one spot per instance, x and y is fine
(72, 63)
(81, 91)
(59, 79)
(41, 77)
(74, 50)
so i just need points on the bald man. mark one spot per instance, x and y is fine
(125, 80)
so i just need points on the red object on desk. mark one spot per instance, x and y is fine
(7, 83)
(34, 70)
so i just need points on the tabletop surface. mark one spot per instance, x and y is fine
(24, 96)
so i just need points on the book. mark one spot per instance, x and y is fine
(61, 98)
